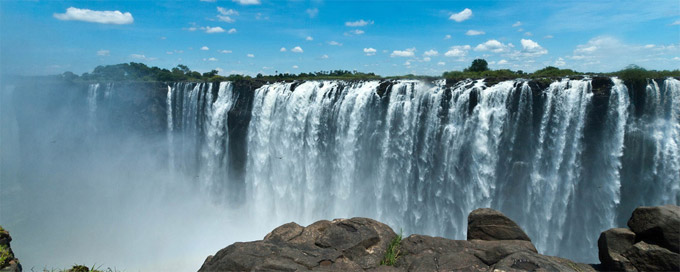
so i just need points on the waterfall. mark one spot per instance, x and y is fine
(92, 105)
(566, 162)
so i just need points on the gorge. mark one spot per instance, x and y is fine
(565, 158)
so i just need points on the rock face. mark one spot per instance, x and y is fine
(651, 243)
(359, 244)
(489, 224)
(8, 263)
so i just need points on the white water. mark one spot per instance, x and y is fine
(419, 156)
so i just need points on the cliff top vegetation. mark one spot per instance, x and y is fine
(478, 69)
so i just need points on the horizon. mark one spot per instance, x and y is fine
(386, 38)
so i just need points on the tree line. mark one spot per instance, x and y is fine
(479, 68)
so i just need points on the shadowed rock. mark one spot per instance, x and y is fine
(611, 244)
(658, 225)
(360, 244)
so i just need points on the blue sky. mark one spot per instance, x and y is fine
(385, 37)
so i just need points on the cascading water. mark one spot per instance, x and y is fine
(564, 162)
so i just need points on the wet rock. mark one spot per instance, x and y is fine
(612, 244)
(488, 224)
(659, 225)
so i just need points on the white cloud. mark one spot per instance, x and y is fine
(260, 16)
(649, 46)
(93, 16)
(474, 32)
(324, 56)
(528, 33)
(358, 23)
(532, 48)
(103, 52)
(250, 55)
(560, 62)
(355, 32)
(225, 11)
(369, 51)
(548, 36)
(441, 63)
(211, 30)
(431, 53)
(210, 59)
(225, 14)
(141, 57)
(676, 58)
(309, 38)
(205, 48)
(676, 22)
(312, 12)
(410, 52)
(225, 51)
(492, 45)
(518, 23)
(606, 53)
(296, 49)
(407, 63)
(283, 49)
(225, 18)
(169, 52)
(295, 67)
(232, 31)
(502, 62)
(461, 16)
(458, 51)
(447, 37)
(335, 43)
(247, 2)
(426, 59)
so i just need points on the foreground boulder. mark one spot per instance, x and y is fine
(657, 225)
(651, 243)
(7, 260)
(341, 244)
(360, 244)
(489, 224)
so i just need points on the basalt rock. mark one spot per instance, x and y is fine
(651, 243)
(489, 224)
(360, 244)
(658, 225)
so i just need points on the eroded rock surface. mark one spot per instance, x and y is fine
(360, 244)
(651, 243)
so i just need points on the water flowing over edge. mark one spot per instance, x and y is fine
(420, 156)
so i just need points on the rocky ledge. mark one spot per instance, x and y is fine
(8, 263)
(494, 243)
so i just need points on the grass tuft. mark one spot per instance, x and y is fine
(393, 251)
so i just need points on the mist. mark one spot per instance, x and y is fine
(86, 188)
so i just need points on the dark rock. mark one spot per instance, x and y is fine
(659, 225)
(611, 244)
(490, 252)
(650, 257)
(8, 262)
(529, 261)
(338, 245)
(488, 224)
(285, 232)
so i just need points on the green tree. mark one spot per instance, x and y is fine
(478, 65)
